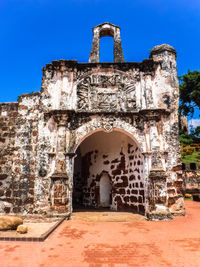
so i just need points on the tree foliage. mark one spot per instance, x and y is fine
(189, 92)
(195, 131)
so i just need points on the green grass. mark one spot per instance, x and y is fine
(190, 156)
(188, 198)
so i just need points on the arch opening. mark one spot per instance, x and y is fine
(106, 52)
(109, 173)
(106, 32)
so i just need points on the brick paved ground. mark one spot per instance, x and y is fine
(113, 244)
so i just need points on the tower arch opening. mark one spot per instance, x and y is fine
(106, 53)
(109, 172)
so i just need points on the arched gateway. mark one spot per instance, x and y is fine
(109, 172)
(97, 134)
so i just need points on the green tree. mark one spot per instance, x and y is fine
(189, 92)
(197, 131)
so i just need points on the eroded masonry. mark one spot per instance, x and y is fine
(100, 135)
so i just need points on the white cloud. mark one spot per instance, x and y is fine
(194, 123)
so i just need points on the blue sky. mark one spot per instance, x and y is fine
(35, 32)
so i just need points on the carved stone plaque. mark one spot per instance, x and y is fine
(114, 92)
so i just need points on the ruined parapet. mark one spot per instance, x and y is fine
(106, 29)
(168, 93)
(166, 55)
(160, 51)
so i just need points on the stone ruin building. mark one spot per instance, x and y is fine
(97, 135)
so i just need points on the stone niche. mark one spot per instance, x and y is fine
(97, 135)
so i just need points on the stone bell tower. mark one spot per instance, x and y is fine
(102, 30)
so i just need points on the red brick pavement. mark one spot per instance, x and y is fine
(113, 244)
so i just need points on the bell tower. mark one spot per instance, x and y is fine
(102, 30)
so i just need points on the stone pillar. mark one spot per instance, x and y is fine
(157, 182)
(60, 179)
(118, 52)
(94, 54)
(60, 167)
(167, 95)
(157, 191)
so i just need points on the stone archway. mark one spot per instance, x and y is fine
(114, 155)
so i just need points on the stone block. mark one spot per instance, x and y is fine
(3, 176)
(121, 191)
(7, 209)
(171, 191)
(9, 222)
(133, 199)
(1, 192)
(22, 229)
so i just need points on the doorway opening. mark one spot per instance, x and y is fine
(105, 190)
(109, 173)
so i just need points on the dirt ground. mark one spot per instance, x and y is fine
(106, 216)
(113, 244)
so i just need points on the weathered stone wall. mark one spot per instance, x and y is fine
(24, 162)
(18, 149)
(191, 181)
(8, 117)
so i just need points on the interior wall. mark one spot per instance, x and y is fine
(117, 155)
